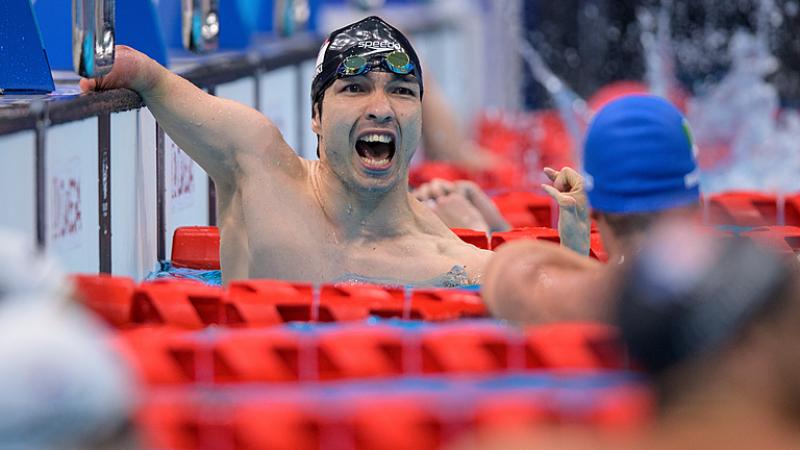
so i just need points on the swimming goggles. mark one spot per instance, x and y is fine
(397, 62)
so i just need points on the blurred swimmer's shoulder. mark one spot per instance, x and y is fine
(533, 282)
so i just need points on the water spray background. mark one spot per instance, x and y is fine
(739, 62)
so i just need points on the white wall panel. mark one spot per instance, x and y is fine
(133, 215)
(146, 214)
(309, 147)
(242, 91)
(430, 48)
(278, 101)
(71, 225)
(18, 183)
(186, 196)
(458, 79)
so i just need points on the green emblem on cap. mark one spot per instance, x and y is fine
(687, 130)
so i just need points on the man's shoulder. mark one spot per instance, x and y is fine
(469, 254)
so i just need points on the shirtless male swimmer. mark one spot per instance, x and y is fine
(348, 216)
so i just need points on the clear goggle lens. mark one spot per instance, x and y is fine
(397, 62)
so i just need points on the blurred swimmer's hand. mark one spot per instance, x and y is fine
(456, 211)
(437, 191)
(434, 189)
(132, 70)
(573, 217)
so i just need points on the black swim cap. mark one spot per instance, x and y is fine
(687, 294)
(367, 38)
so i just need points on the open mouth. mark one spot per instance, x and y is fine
(376, 150)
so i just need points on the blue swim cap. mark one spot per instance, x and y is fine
(639, 157)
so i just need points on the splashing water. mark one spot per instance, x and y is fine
(571, 107)
(658, 52)
(742, 113)
(745, 140)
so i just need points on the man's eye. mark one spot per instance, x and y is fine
(405, 91)
(353, 88)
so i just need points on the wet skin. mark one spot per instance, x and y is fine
(284, 217)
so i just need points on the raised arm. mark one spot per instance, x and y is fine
(531, 282)
(221, 135)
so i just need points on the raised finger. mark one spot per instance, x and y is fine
(573, 178)
(551, 173)
(559, 197)
(562, 182)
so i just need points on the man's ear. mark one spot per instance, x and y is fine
(316, 116)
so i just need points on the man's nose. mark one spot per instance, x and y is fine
(379, 108)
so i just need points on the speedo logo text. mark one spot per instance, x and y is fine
(379, 45)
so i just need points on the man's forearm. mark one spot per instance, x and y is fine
(212, 130)
(574, 229)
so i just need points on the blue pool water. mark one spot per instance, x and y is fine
(214, 277)
(210, 277)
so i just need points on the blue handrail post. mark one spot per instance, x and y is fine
(24, 68)
(136, 25)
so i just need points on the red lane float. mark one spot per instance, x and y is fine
(430, 170)
(751, 209)
(108, 296)
(339, 302)
(596, 249)
(477, 238)
(361, 352)
(159, 355)
(470, 349)
(267, 302)
(279, 354)
(191, 304)
(186, 419)
(180, 303)
(538, 233)
(575, 346)
(527, 209)
(196, 248)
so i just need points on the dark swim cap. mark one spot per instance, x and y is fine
(367, 38)
(687, 294)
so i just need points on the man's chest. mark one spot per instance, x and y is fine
(403, 260)
(324, 256)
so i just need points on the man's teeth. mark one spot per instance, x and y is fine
(382, 138)
(377, 162)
